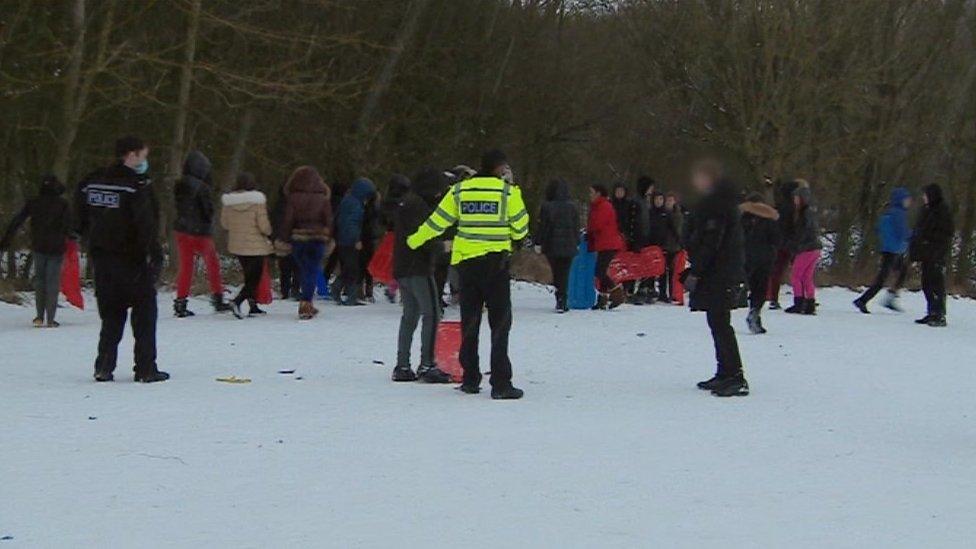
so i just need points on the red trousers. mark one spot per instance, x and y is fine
(188, 248)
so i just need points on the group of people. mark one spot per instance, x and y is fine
(458, 222)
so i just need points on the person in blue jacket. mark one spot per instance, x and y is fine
(349, 238)
(894, 234)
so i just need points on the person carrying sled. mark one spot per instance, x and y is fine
(760, 227)
(603, 237)
(117, 216)
(894, 233)
(50, 223)
(490, 215)
(193, 230)
(558, 237)
(930, 247)
(414, 272)
(715, 277)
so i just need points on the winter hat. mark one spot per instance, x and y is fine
(462, 172)
(491, 160)
(934, 193)
(430, 183)
(898, 195)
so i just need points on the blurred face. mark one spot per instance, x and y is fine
(907, 202)
(669, 202)
(925, 199)
(797, 201)
(658, 201)
(619, 193)
(134, 158)
(702, 181)
(593, 194)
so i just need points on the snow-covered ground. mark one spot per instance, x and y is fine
(860, 432)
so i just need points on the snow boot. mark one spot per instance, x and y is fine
(469, 389)
(754, 321)
(710, 384)
(938, 321)
(235, 309)
(618, 296)
(732, 386)
(862, 305)
(152, 378)
(253, 309)
(774, 306)
(601, 303)
(891, 302)
(104, 377)
(180, 310)
(38, 322)
(403, 373)
(925, 319)
(507, 393)
(219, 305)
(797, 308)
(53, 324)
(432, 374)
(809, 307)
(562, 306)
(305, 311)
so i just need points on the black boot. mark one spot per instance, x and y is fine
(925, 319)
(809, 307)
(219, 305)
(862, 305)
(253, 309)
(180, 310)
(754, 321)
(235, 309)
(403, 373)
(469, 389)
(938, 321)
(710, 384)
(732, 386)
(432, 374)
(797, 308)
(151, 378)
(774, 306)
(103, 377)
(507, 393)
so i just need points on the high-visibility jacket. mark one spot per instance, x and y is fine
(489, 213)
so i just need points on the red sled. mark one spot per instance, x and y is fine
(677, 288)
(264, 295)
(71, 275)
(448, 349)
(381, 266)
(629, 266)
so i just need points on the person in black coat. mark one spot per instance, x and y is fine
(414, 272)
(715, 277)
(631, 217)
(930, 246)
(289, 283)
(762, 238)
(558, 237)
(50, 223)
(784, 255)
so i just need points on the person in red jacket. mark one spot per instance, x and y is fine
(603, 237)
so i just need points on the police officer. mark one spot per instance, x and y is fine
(118, 218)
(490, 215)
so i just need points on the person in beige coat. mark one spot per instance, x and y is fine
(245, 217)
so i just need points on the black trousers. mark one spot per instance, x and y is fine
(485, 283)
(664, 281)
(758, 285)
(351, 275)
(123, 283)
(603, 260)
(934, 286)
(560, 276)
(253, 267)
(890, 262)
(288, 276)
(726, 347)
(366, 279)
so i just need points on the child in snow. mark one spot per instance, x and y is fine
(805, 245)
(50, 223)
(558, 237)
(894, 233)
(193, 230)
(930, 246)
(672, 242)
(245, 217)
(761, 230)
(714, 279)
(603, 237)
(784, 255)
(350, 222)
(307, 223)
(414, 271)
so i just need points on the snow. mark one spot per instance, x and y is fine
(859, 433)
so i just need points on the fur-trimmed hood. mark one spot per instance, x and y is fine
(759, 209)
(242, 200)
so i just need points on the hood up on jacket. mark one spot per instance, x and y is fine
(934, 193)
(242, 200)
(306, 179)
(759, 209)
(397, 187)
(362, 189)
(430, 184)
(898, 196)
(558, 189)
(197, 165)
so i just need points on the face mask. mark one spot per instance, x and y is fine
(142, 167)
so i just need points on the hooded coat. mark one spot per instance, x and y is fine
(352, 212)
(631, 218)
(893, 230)
(784, 205)
(194, 201)
(760, 227)
(245, 217)
(934, 229)
(805, 232)
(308, 212)
(415, 205)
(715, 250)
(559, 222)
(602, 230)
(50, 220)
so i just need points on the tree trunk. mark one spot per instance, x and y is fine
(178, 143)
(69, 99)
(236, 163)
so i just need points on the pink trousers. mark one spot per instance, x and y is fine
(804, 267)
